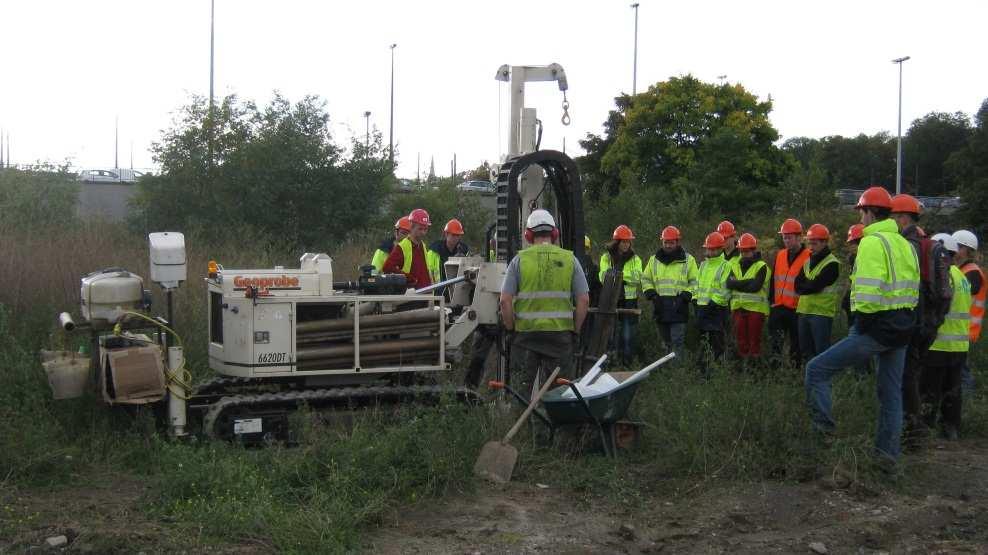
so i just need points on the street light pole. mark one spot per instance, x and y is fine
(898, 155)
(634, 71)
(367, 133)
(391, 125)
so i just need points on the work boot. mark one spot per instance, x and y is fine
(915, 435)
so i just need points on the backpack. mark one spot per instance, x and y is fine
(936, 290)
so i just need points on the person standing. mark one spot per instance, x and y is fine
(451, 244)
(544, 301)
(749, 283)
(782, 320)
(726, 229)
(712, 299)
(402, 228)
(818, 295)
(943, 362)
(409, 255)
(884, 296)
(967, 255)
(669, 281)
(854, 234)
(621, 256)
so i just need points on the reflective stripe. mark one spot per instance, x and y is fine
(544, 314)
(875, 282)
(883, 300)
(976, 320)
(966, 316)
(979, 303)
(946, 337)
(544, 295)
(788, 293)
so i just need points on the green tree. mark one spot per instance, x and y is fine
(700, 139)
(275, 170)
(968, 168)
(927, 146)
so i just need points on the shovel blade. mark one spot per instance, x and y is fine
(496, 462)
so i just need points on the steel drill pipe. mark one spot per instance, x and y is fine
(364, 333)
(405, 359)
(408, 317)
(395, 346)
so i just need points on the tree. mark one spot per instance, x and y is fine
(480, 173)
(927, 146)
(968, 169)
(274, 170)
(700, 139)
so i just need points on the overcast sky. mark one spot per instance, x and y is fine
(70, 67)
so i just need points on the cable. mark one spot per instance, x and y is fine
(180, 375)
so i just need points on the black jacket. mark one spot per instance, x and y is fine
(752, 285)
(828, 276)
(671, 310)
(439, 247)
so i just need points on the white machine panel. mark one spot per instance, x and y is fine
(273, 336)
(168, 264)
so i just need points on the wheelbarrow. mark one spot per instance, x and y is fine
(579, 402)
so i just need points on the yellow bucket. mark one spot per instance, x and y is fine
(68, 373)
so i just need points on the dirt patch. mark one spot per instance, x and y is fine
(941, 507)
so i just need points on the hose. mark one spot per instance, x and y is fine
(180, 376)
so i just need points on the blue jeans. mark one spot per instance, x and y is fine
(674, 336)
(854, 350)
(814, 334)
(624, 337)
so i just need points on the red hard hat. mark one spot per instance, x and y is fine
(714, 241)
(623, 233)
(747, 241)
(670, 233)
(855, 232)
(453, 227)
(726, 229)
(403, 223)
(875, 197)
(419, 216)
(906, 204)
(818, 231)
(790, 226)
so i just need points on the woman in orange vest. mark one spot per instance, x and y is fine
(967, 252)
(782, 319)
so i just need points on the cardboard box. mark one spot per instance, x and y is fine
(132, 374)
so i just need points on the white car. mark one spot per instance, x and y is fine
(482, 187)
(110, 176)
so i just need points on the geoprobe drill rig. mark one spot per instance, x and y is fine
(282, 338)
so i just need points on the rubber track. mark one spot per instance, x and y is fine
(317, 396)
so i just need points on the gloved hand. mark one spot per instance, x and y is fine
(685, 296)
(651, 294)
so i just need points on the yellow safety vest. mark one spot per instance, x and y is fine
(544, 301)
(886, 271)
(954, 334)
(711, 284)
(631, 273)
(752, 302)
(669, 280)
(826, 302)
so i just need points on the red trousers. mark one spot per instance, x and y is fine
(748, 332)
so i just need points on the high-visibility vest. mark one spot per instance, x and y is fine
(953, 334)
(380, 257)
(544, 300)
(631, 273)
(406, 265)
(752, 302)
(826, 302)
(712, 282)
(434, 263)
(784, 276)
(669, 280)
(978, 302)
(886, 271)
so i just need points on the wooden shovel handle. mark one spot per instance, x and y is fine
(531, 406)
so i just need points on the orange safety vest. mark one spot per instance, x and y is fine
(978, 302)
(785, 278)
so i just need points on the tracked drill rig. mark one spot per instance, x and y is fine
(283, 338)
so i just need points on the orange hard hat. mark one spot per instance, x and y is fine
(818, 231)
(790, 226)
(855, 232)
(403, 223)
(726, 229)
(623, 233)
(906, 204)
(670, 233)
(420, 216)
(747, 241)
(714, 241)
(453, 227)
(875, 197)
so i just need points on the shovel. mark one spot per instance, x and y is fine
(497, 459)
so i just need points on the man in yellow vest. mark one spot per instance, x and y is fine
(967, 256)
(942, 365)
(402, 229)
(544, 301)
(621, 256)
(713, 299)
(782, 319)
(669, 281)
(749, 282)
(819, 297)
(884, 295)
(410, 255)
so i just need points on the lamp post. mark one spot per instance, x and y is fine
(367, 132)
(898, 155)
(391, 124)
(634, 71)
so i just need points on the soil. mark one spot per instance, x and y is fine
(942, 508)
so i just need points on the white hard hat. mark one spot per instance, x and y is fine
(946, 240)
(966, 238)
(540, 219)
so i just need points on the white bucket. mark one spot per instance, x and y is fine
(68, 373)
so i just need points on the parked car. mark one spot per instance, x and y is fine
(482, 187)
(110, 176)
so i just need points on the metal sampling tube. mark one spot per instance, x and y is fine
(380, 360)
(310, 338)
(406, 318)
(396, 346)
(435, 286)
(66, 322)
